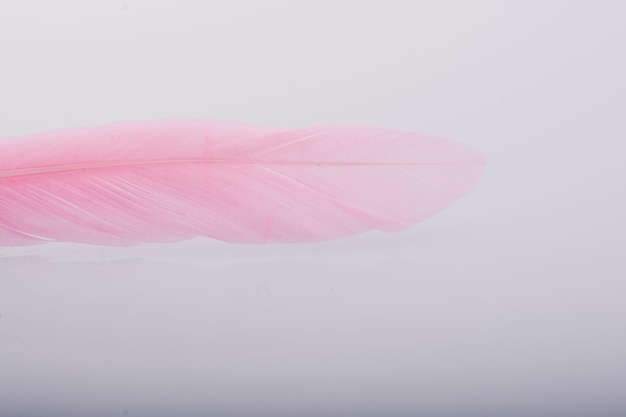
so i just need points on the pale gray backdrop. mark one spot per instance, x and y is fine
(510, 303)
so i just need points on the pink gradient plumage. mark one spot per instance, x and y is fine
(158, 181)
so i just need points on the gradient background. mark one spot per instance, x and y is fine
(510, 303)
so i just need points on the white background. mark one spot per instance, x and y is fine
(510, 303)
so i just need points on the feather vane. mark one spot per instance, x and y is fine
(159, 181)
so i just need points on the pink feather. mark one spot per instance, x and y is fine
(129, 183)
